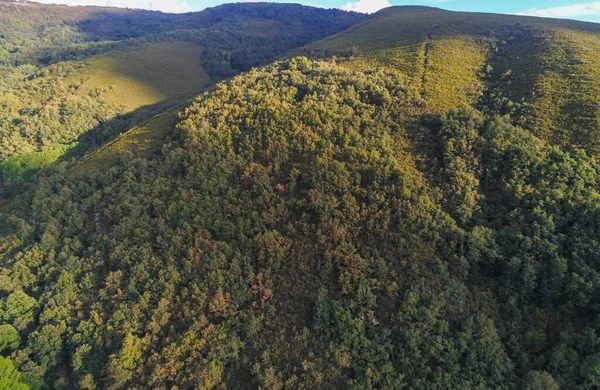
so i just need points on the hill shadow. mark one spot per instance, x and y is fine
(87, 144)
(108, 131)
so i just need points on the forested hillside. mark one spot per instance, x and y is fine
(413, 203)
(544, 73)
(72, 78)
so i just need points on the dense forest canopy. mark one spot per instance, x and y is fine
(413, 205)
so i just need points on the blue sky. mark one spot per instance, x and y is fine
(574, 9)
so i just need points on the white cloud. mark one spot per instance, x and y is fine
(366, 6)
(175, 6)
(566, 11)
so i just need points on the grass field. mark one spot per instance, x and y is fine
(166, 72)
(451, 73)
(155, 76)
(158, 73)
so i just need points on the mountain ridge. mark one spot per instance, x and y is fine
(466, 52)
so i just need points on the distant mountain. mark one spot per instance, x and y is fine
(413, 202)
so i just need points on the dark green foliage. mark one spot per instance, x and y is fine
(248, 34)
(9, 338)
(537, 207)
(459, 136)
(235, 37)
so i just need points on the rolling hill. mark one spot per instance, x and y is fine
(543, 72)
(412, 202)
(79, 76)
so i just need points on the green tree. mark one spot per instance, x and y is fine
(9, 338)
(18, 309)
(10, 377)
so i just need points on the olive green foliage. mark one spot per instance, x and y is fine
(17, 309)
(286, 238)
(234, 236)
(546, 79)
(343, 223)
(9, 338)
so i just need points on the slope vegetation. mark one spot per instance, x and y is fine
(148, 75)
(413, 214)
(86, 74)
(139, 141)
(285, 236)
(542, 72)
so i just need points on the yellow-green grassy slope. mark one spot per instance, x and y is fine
(561, 99)
(546, 70)
(155, 73)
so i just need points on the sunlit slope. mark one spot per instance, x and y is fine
(543, 72)
(165, 74)
(161, 73)
(148, 75)
(549, 80)
(441, 53)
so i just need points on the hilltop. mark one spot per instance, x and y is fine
(409, 202)
(544, 73)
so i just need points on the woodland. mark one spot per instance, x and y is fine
(352, 202)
